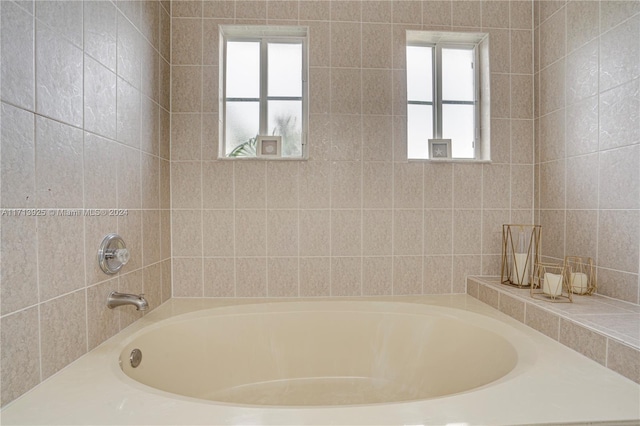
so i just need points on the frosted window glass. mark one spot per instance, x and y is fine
(419, 130)
(285, 119)
(457, 75)
(285, 69)
(242, 123)
(419, 73)
(458, 124)
(243, 69)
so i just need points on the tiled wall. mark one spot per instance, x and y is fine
(587, 87)
(85, 125)
(357, 218)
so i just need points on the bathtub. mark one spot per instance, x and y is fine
(419, 360)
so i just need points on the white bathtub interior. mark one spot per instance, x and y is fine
(549, 382)
(321, 354)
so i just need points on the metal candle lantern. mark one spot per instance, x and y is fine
(582, 279)
(520, 252)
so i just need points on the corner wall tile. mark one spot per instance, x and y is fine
(19, 354)
(17, 70)
(63, 331)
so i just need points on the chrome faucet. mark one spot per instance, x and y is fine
(119, 299)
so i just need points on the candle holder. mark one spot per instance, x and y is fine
(520, 252)
(551, 283)
(582, 279)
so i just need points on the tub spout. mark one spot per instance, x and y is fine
(119, 299)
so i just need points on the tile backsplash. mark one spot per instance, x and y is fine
(113, 106)
(84, 152)
(587, 91)
(357, 218)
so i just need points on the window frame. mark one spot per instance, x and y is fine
(264, 35)
(446, 40)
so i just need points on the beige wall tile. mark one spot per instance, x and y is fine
(489, 296)
(466, 232)
(152, 285)
(282, 279)
(512, 307)
(217, 190)
(19, 354)
(346, 91)
(619, 109)
(18, 171)
(282, 232)
(582, 72)
(282, 184)
(408, 232)
(218, 232)
(466, 13)
(437, 275)
(543, 321)
(583, 340)
(186, 39)
(19, 274)
(408, 190)
(60, 271)
(464, 266)
(186, 86)
(407, 275)
(553, 38)
(346, 233)
(377, 276)
(620, 54)
(187, 277)
(58, 164)
(623, 359)
(315, 188)
(251, 277)
(219, 277)
(376, 91)
(187, 233)
(438, 185)
(346, 178)
(315, 276)
(17, 70)
(250, 232)
(150, 237)
(186, 185)
(378, 232)
(467, 186)
(582, 127)
(250, 184)
(346, 276)
(63, 331)
(619, 239)
(315, 232)
(376, 45)
(185, 136)
(346, 137)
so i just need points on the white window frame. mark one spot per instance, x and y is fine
(468, 41)
(264, 35)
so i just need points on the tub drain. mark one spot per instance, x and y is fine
(135, 358)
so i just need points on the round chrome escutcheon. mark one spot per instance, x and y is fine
(135, 358)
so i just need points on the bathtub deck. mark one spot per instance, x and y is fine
(603, 329)
(561, 386)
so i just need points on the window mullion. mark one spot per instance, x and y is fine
(437, 91)
(264, 89)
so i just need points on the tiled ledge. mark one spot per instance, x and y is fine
(603, 329)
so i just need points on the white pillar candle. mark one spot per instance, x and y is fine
(579, 282)
(521, 268)
(552, 284)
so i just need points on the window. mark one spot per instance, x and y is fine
(264, 89)
(443, 93)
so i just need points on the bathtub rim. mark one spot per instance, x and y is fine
(525, 349)
(87, 390)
